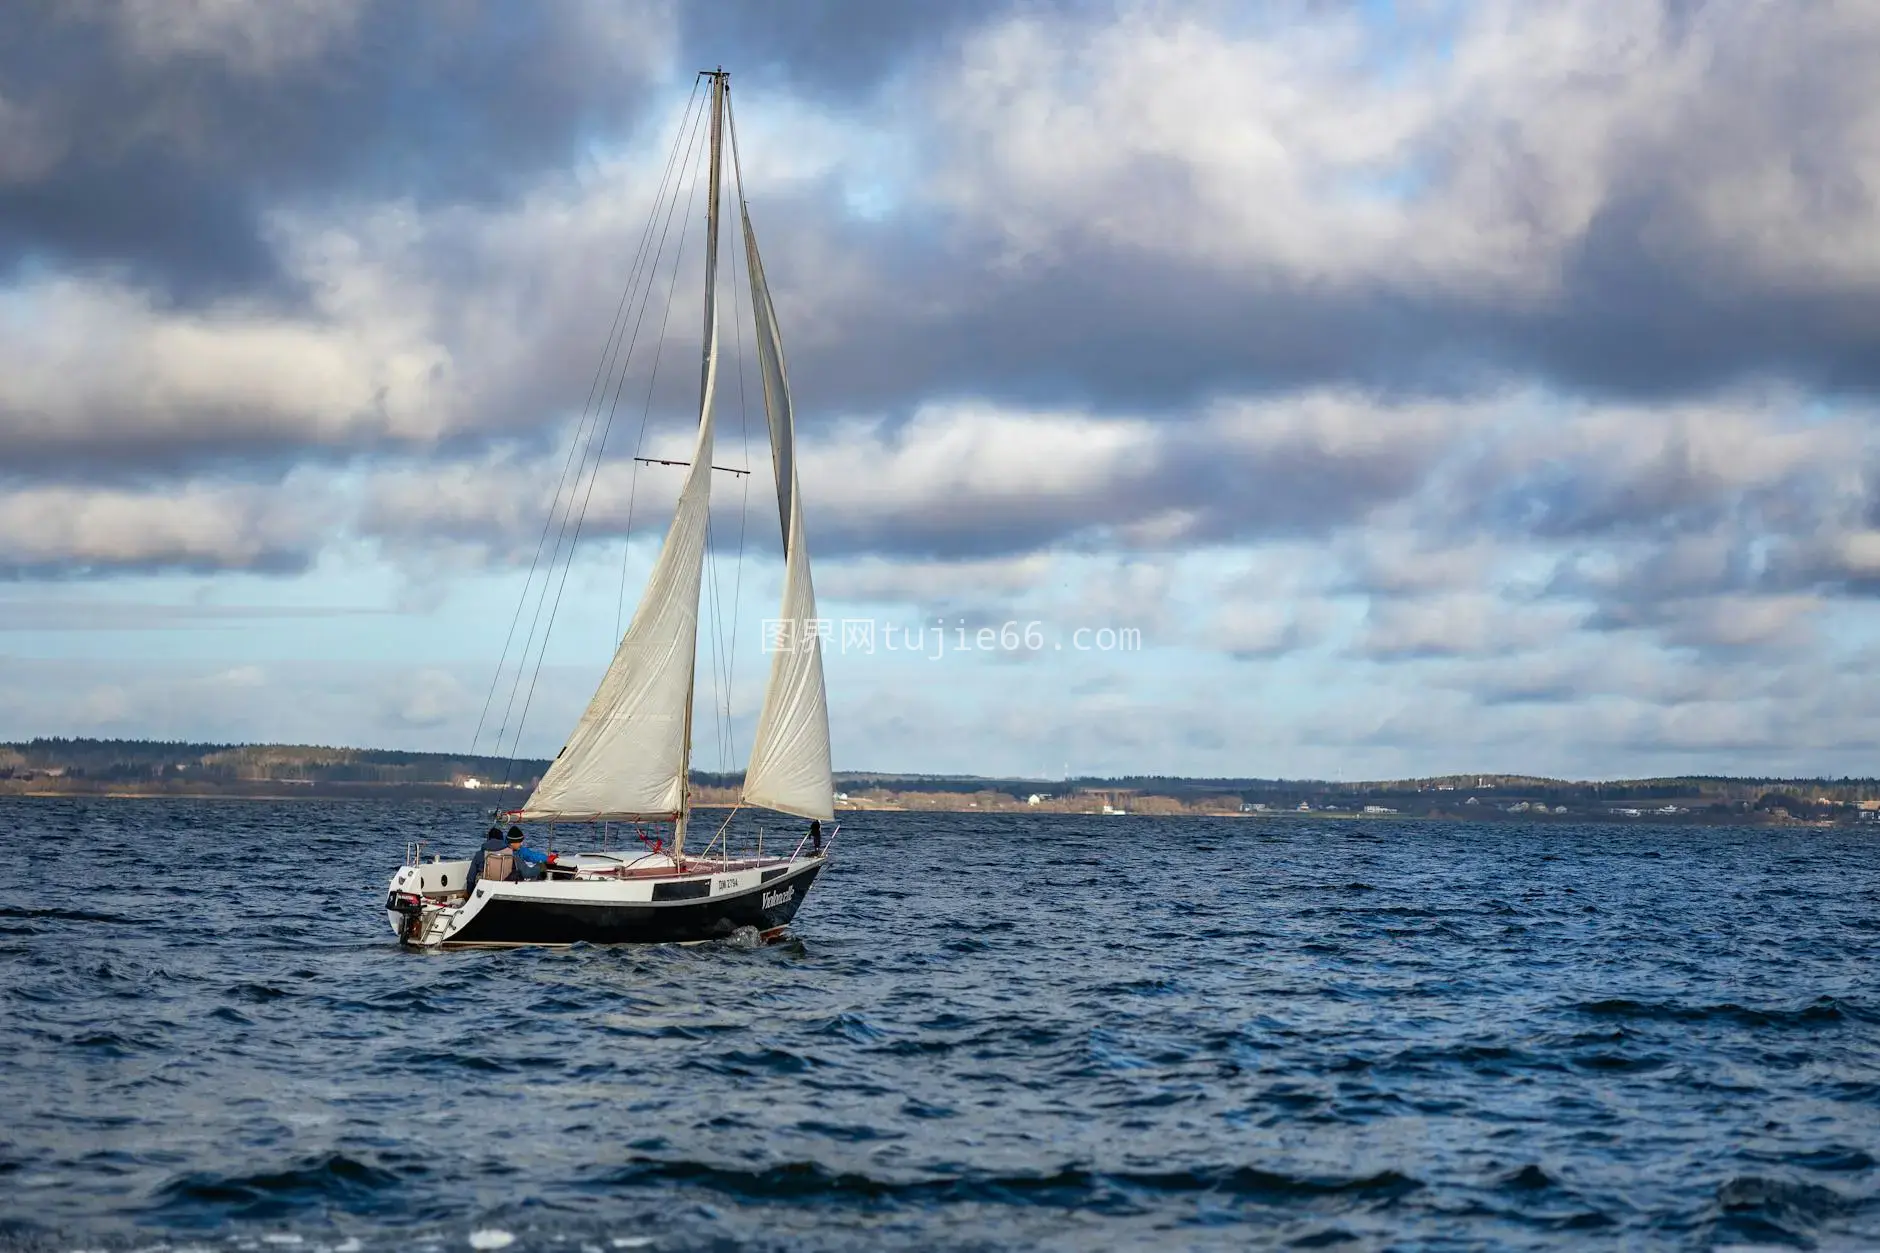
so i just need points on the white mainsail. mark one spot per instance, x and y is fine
(631, 750)
(789, 768)
(628, 754)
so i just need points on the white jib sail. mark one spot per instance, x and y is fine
(627, 755)
(789, 768)
(777, 406)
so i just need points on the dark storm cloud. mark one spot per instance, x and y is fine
(833, 48)
(1135, 280)
(1683, 211)
(1124, 332)
(166, 165)
(163, 152)
(1116, 331)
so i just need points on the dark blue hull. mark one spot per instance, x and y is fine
(768, 908)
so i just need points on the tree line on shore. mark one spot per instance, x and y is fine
(92, 765)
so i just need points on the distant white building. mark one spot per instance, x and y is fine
(1379, 809)
(472, 783)
(1036, 798)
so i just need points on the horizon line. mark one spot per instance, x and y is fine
(1479, 775)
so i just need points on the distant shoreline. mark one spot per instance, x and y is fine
(916, 803)
(168, 770)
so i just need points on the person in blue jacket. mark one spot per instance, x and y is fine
(529, 863)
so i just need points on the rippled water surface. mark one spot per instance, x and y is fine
(1056, 1033)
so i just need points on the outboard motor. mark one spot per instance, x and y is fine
(409, 906)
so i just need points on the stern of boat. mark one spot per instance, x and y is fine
(421, 891)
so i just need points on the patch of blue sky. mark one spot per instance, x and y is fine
(1827, 409)
(1522, 572)
(869, 200)
(331, 611)
(1848, 630)
(1388, 185)
(21, 297)
(1397, 37)
(788, 141)
(643, 146)
(1406, 34)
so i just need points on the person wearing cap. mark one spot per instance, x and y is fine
(529, 863)
(492, 843)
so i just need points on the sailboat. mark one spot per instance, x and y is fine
(627, 761)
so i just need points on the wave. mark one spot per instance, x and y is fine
(1529, 1178)
(335, 1181)
(112, 1044)
(1780, 1210)
(258, 992)
(1822, 1011)
(66, 915)
(428, 1059)
(1071, 1187)
(1492, 1056)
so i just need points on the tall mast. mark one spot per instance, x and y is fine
(708, 361)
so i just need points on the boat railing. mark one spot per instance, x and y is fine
(828, 841)
(414, 851)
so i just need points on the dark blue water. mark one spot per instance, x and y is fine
(1051, 1033)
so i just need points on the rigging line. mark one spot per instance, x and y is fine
(633, 279)
(567, 566)
(562, 499)
(575, 488)
(639, 439)
(581, 518)
(633, 489)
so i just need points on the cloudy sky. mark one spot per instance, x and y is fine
(1435, 386)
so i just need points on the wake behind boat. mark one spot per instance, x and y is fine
(627, 762)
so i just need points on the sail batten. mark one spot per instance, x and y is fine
(790, 767)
